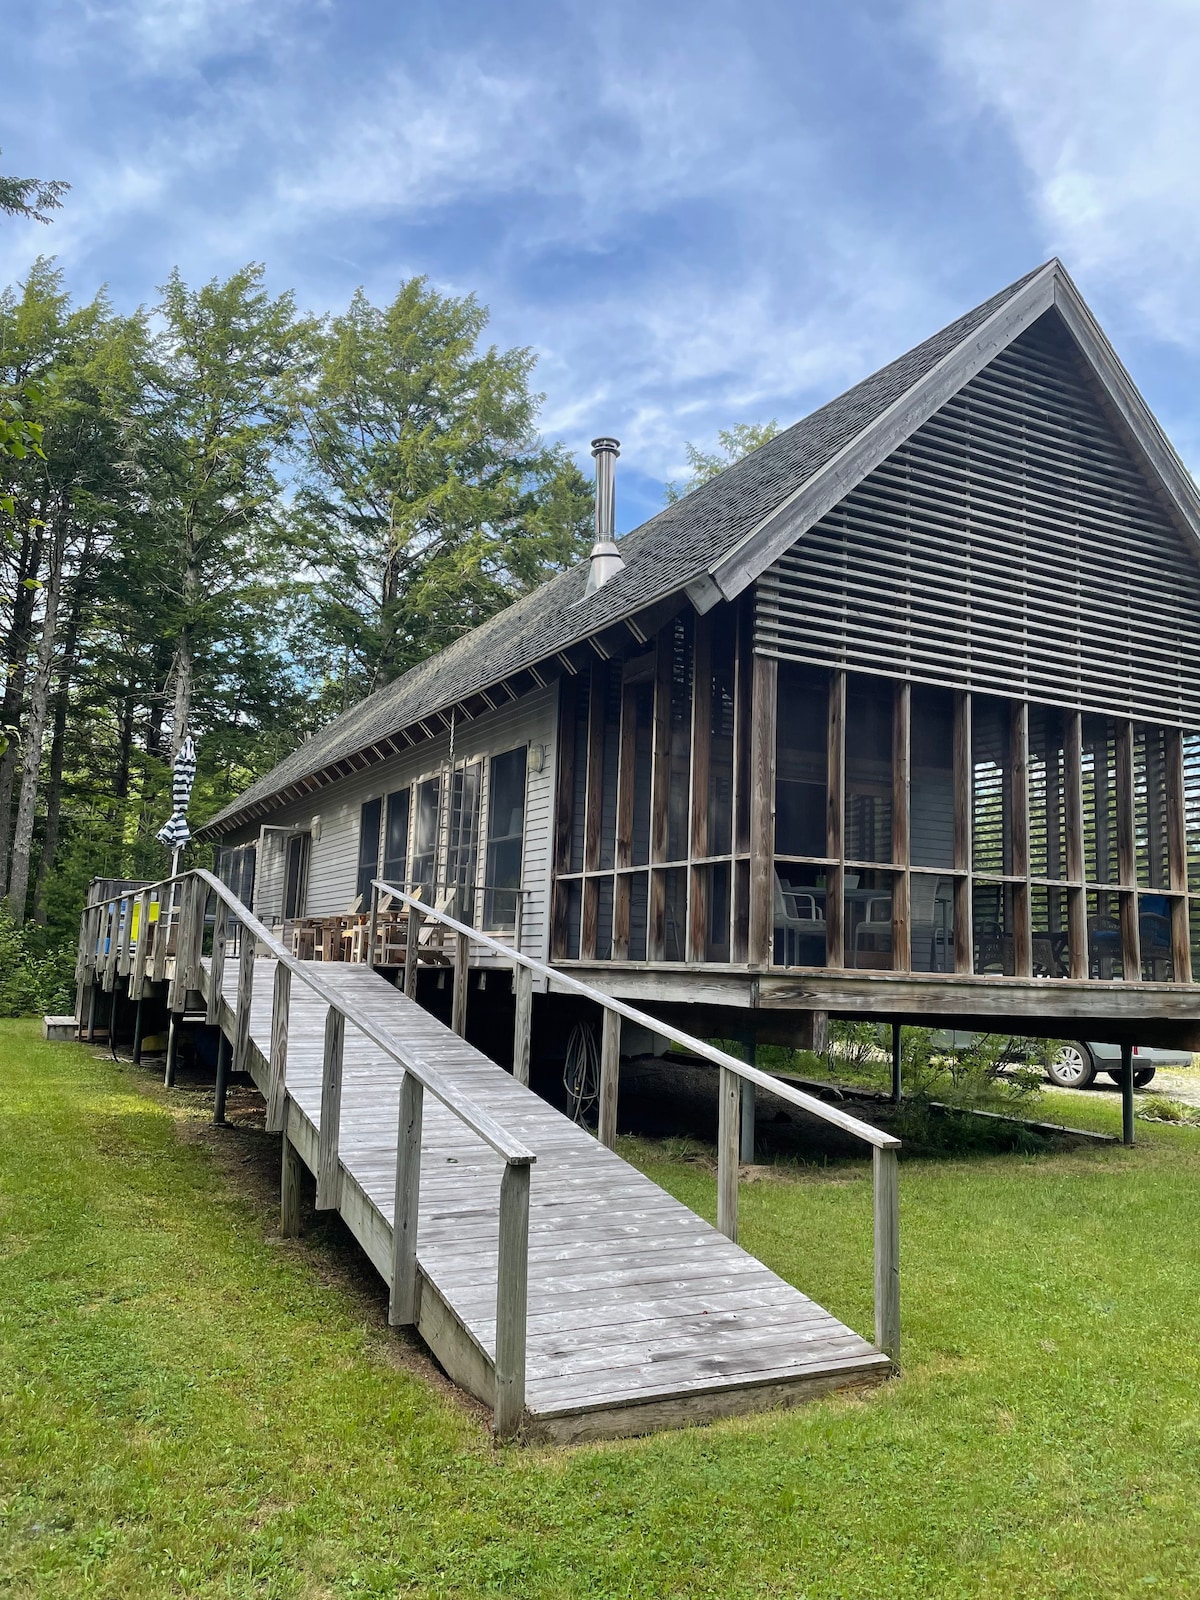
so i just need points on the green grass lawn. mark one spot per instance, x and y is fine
(190, 1406)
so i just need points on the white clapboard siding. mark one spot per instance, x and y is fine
(333, 863)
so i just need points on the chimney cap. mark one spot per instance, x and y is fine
(607, 446)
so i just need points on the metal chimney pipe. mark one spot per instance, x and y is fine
(605, 559)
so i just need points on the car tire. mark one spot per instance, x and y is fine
(1074, 1067)
(1141, 1076)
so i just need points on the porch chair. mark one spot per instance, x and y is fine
(798, 915)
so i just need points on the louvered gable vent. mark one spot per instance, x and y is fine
(1011, 545)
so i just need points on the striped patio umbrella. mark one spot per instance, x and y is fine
(175, 832)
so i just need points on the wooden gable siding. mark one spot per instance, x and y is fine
(333, 865)
(1011, 545)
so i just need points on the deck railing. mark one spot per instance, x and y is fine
(885, 1167)
(109, 944)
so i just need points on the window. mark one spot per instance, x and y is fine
(295, 876)
(425, 833)
(506, 835)
(869, 770)
(801, 762)
(464, 839)
(368, 848)
(395, 838)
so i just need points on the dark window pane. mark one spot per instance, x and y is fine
(868, 919)
(579, 776)
(991, 907)
(1099, 800)
(1191, 809)
(717, 938)
(675, 915)
(643, 757)
(931, 779)
(639, 886)
(368, 847)
(1150, 807)
(506, 832)
(679, 640)
(1105, 950)
(1048, 919)
(610, 737)
(802, 753)
(573, 916)
(720, 753)
(1154, 936)
(395, 837)
(425, 837)
(604, 919)
(931, 922)
(869, 770)
(464, 839)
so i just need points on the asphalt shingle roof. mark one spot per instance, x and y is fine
(661, 557)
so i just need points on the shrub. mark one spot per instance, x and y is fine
(36, 977)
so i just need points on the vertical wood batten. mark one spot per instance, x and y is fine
(610, 1075)
(512, 1297)
(1077, 930)
(1181, 952)
(277, 1078)
(901, 787)
(887, 1252)
(835, 821)
(1022, 918)
(1131, 954)
(402, 1299)
(328, 1171)
(762, 807)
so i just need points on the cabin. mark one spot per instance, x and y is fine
(898, 717)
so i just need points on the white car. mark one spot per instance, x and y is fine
(1078, 1063)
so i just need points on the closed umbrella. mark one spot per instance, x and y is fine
(175, 831)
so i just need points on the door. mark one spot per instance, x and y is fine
(295, 875)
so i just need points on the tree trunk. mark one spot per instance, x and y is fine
(58, 744)
(35, 729)
(183, 666)
(16, 662)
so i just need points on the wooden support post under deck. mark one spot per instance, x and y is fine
(137, 1033)
(764, 687)
(91, 1013)
(729, 1098)
(1077, 929)
(1181, 953)
(172, 1050)
(523, 1022)
(610, 1077)
(277, 1070)
(328, 1172)
(402, 1299)
(224, 1051)
(897, 1063)
(289, 1191)
(1127, 856)
(887, 1252)
(512, 1297)
(1127, 1093)
(462, 978)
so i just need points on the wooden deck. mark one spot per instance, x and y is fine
(640, 1315)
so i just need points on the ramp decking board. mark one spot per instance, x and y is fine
(640, 1314)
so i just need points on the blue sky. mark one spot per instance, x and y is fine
(698, 214)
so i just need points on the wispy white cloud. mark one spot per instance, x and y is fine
(1100, 101)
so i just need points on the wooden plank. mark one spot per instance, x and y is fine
(289, 1190)
(523, 1022)
(402, 1302)
(729, 1096)
(764, 689)
(887, 1253)
(280, 1005)
(610, 1075)
(512, 1291)
(328, 1171)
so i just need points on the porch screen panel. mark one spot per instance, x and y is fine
(1011, 545)
(370, 819)
(395, 837)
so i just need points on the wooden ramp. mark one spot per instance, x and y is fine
(640, 1315)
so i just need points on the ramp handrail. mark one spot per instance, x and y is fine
(107, 945)
(884, 1145)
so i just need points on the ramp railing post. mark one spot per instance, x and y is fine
(277, 1074)
(512, 1296)
(887, 1252)
(402, 1302)
(195, 961)
(411, 942)
(610, 1076)
(729, 1105)
(245, 999)
(328, 1176)
(141, 953)
(161, 931)
(523, 1023)
(216, 970)
(373, 926)
(462, 973)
